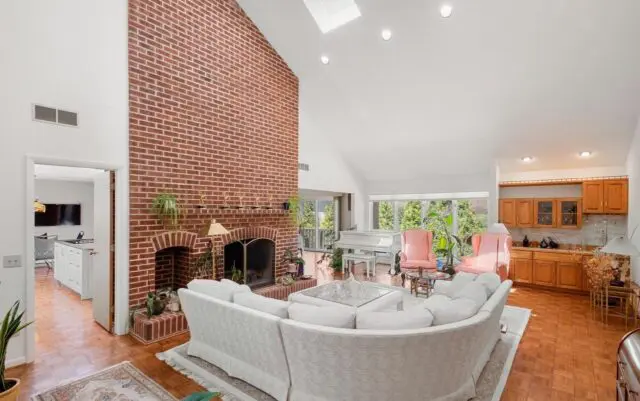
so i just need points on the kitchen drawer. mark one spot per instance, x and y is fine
(518, 254)
(557, 257)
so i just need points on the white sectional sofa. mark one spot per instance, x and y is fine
(298, 361)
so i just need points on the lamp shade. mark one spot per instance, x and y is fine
(213, 229)
(498, 228)
(620, 246)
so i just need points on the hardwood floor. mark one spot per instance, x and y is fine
(564, 354)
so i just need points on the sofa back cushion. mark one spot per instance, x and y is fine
(415, 318)
(323, 315)
(263, 304)
(459, 281)
(490, 281)
(216, 289)
(474, 291)
(451, 310)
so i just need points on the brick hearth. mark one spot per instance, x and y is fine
(213, 114)
(149, 330)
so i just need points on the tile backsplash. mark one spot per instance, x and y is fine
(596, 230)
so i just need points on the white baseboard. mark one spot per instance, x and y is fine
(16, 362)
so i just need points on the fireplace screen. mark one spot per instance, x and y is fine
(252, 260)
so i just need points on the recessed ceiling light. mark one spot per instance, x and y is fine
(527, 159)
(585, 153)
(324, 59)
(446, 10)
(386, 34)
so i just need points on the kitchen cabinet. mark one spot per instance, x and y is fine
(544, 273)
(569, 275)
(508, 212)
(521, 266)
(524, 213)
(615, 195)
(569, 213)
(605, 196)
(73, 267)
(544, 213)
(592, 196)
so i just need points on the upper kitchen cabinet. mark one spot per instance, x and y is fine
(544, 213)
(592, 196)
(508, 212)
(615, 195)
(605, 196)
(524, 212)
(569, 213)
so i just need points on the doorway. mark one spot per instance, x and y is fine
(71, 230)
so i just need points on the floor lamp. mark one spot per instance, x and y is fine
(214, 229)
(499, 229)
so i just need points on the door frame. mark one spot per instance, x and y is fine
(121, 273)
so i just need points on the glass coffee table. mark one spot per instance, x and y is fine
(351, 294)
(425, 281)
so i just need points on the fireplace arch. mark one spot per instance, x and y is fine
(254, 258)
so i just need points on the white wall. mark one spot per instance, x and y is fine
(70, 54)
(71, 192)
(633, 170)
(328, 171)
(608, 171)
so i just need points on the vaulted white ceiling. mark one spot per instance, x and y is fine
(499, 80)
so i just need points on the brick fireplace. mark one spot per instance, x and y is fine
(213, 120)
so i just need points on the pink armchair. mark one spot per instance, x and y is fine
(484, 255)
(416, 250)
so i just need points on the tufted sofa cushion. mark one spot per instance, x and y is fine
(329, 316)
(220, 290)
(415, 318)
(274, 307)
(490, 281)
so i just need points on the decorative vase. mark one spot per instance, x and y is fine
(158, 306)
(285, 205)
(13, 392)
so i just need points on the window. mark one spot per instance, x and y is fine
(463, 217)
(319, 223)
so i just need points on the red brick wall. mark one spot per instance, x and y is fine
(213, 111)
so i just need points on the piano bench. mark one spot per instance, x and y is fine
(370, 261)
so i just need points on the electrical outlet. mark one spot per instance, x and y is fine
(12, 261)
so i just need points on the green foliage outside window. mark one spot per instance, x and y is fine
(328, 223)
(308, 219)
(411, 215)
(469, 223)
(385, 215)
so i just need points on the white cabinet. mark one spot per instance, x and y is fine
(73, 268)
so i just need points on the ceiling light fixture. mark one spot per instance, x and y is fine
(446, 10)
(324, 59)
(527, 159)
(585, 153)
(386, 34)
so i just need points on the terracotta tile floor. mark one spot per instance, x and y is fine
(564, 355)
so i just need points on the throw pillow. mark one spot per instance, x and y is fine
(215, 289)
(415, 318)
(263, 304)
(490, 281)
(473, 291)
(329, 316)
(236, 286)
(454, 311)
(459, 281)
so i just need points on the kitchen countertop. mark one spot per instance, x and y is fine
(566, 249)
(87, 245)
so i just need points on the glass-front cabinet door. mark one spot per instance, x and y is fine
(569, 213)
(544, 212)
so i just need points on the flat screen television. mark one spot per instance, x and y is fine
(57, 214)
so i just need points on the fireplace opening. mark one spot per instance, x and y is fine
(253, 259)
(172, 268)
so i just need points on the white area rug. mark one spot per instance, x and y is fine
(121, 382)
(489, 387)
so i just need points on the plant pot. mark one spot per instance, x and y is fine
(158, 306)
(338, 274)
(13, 392)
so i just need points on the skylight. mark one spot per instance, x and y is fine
(331, 14)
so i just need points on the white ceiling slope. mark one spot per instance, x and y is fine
(498, 80)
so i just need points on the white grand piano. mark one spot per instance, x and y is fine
(380, 242)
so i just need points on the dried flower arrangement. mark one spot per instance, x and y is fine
(600, 270)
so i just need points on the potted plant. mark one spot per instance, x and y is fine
(167, 208)
(440, 223)
(11, 326)
(294, 260)
(293, 205)
(336, 261)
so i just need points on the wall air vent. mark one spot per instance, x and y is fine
(303, 167)
(55, 116)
